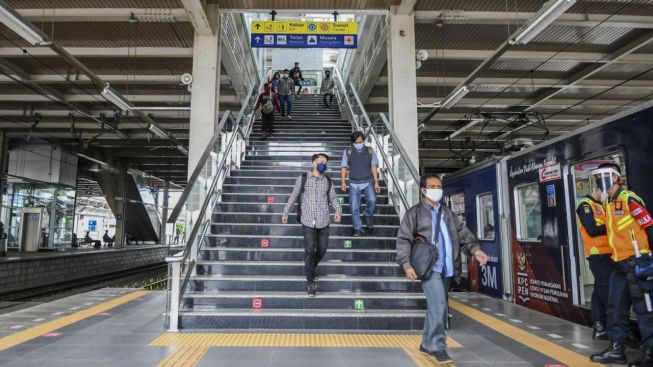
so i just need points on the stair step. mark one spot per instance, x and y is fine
(293, 254)
(282, 198)
(230, 217)
(270, 229)
(335, 319)
(278, 189)
(297, 241)
(273, 268)
(277, 207)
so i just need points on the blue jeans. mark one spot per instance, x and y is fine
(286, 104)
(355, 203)
(435, 326)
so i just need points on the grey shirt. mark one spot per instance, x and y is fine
(461, 237)
(315, 201)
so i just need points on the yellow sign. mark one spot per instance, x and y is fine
(300, 27)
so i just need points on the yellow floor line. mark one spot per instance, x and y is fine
(188, 356)
(411, 341)
(532, 341)
(36, 331)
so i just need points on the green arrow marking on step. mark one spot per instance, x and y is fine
(348, 244)
(341, 200)
(359, 304)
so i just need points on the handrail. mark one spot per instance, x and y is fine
(343, 88)
(205, 155)
(402, 151)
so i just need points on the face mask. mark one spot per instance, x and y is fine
(285, 75)
(434, 194)
(321, 167)
(604, 196)
(359, 146)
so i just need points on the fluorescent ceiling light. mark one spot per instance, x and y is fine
(10, 18)
(542, 19)
(110, 95)
(454, 98)
(464, 128)
(158, 131)
(182, 149)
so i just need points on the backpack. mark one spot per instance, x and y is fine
(267, 107)
(299, 198)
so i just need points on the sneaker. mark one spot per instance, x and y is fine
(423, 350)
(312, 289)
(442, 356)
(289, 117)
(359, 233)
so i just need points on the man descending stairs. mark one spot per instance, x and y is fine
(250, 270)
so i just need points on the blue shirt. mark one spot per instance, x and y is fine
(345, 164)
(444, 263)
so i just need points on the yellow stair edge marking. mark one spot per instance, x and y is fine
(532, 341)
(411, 341)
(36, 331)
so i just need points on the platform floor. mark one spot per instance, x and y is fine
(107, 326)
(15, 255)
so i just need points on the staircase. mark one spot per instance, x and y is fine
(250, 270)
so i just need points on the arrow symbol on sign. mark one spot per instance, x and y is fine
(257, 39)
(258, 26)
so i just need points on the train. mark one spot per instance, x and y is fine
(522, 209)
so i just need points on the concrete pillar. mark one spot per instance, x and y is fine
(204, 102)
(120, 206)
(164, 215)
(402, 82)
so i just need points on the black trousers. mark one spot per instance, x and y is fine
(601, 267)
(619, 301)
(267, 122)
(324, 98)
(316, 241)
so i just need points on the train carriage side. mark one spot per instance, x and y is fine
(544, 185)
(473, 196)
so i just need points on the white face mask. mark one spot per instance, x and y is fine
(434, 194)
(604, 196)
(285, 75)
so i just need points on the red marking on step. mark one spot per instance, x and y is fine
(105, 314)
(270, 199)
(265, 243)
(52, 335)
(555, 365)
(257, 303)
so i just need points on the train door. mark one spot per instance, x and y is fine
(578, 175)
(505, 229)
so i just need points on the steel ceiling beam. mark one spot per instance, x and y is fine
(146, 15)
(132, 52)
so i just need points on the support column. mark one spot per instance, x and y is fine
(163, 238)
(402, 82)
(119, 236)
(205, 96)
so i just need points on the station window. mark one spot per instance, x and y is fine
(485, 217)
(529, 212)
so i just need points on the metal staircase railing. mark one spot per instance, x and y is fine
(396, 168)
(225, 150)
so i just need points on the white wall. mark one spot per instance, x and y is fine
(309, 58)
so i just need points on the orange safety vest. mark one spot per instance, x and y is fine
(623, 228)
(594, 245)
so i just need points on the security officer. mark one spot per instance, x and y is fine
(629, 224)
(591, 224)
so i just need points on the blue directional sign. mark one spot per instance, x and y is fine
(304, 40)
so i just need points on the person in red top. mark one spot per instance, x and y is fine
(268, 101)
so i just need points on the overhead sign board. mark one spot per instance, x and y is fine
(300, 27)
(299, 34)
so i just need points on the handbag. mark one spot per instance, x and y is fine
(424, 254)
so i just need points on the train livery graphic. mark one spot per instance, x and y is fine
(522, 209)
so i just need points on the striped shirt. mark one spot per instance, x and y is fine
(284, 86)
(315, 206)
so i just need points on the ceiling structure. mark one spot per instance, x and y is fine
(594, 61)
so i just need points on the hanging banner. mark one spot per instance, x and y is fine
(298, 34)
(300, 27)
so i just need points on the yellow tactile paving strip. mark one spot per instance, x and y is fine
(534, 342)
(36, 331)
(190, 347)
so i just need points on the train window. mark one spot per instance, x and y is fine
(529, 212)
(485, 217)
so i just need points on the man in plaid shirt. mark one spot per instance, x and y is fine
(317, 194)
(284, 90)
